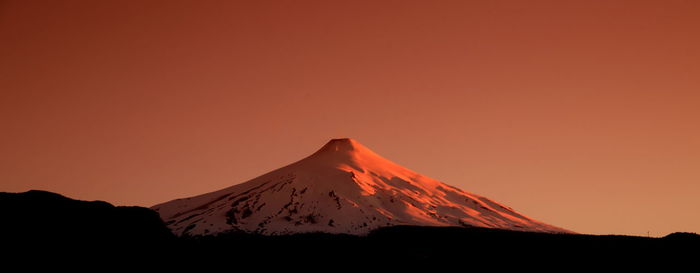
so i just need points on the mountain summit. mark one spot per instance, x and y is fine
(344, 187)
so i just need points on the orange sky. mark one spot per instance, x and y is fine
(582, 114)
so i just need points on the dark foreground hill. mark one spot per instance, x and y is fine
(45, 225)
(37, 222)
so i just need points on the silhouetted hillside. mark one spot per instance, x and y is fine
(47, 225)
(429, 245)
(37, 222)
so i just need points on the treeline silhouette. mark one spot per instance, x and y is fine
(44, 225)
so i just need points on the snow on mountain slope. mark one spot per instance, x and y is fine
(342, 188)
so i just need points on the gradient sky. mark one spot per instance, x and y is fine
(582, 114)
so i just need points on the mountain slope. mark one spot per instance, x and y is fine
(342, 188)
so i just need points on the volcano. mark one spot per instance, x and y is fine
(343, 188)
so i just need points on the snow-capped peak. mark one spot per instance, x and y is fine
(344, 187)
